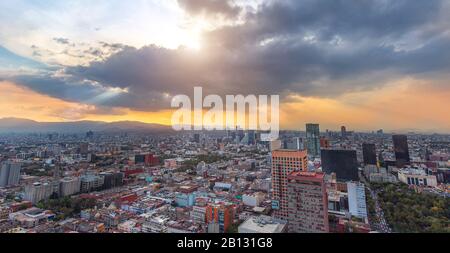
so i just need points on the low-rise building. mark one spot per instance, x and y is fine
(263, 224)
(30, 217)
(382, 178)
(198, 214)
(416, 176)
(254, 199)
(155, 225)
(129, 226)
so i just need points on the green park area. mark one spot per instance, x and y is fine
(408, 211)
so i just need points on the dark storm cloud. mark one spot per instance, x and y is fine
(150, 68)
(74, 89)
(348, 18)
(310, 47)
(67, 88)
(210, 8)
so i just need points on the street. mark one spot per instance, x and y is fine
(380, 224)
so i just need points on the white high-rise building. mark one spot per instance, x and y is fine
(9, 174)
(41, 191)
(91, 183)
(69, 186)
(357, 199)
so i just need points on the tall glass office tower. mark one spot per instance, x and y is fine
(313, 139)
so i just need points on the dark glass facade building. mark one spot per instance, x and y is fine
(342, 162)
(401, 150)
(313, 139)
(112, 179)
(369, 154)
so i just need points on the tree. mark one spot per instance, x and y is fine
(410, 212)
(233, 229)
(67, 207)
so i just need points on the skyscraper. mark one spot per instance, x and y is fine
(401, 150)
(342, 162)
(9, 174)
(307, 203)
(283, 163)
(357, 199)
(313, 139)
(369, 154)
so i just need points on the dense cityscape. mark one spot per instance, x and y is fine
(224, 182)
(224, 124)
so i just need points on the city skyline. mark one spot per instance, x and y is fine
(21, 122)
(385, 70)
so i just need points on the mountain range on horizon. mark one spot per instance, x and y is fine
(20, 125)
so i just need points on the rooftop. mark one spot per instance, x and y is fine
(289, 153)
(263, 224)
(304, 174)
(413, 171)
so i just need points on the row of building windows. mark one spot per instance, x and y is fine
(416, 181)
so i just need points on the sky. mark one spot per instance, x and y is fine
(369, 65)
